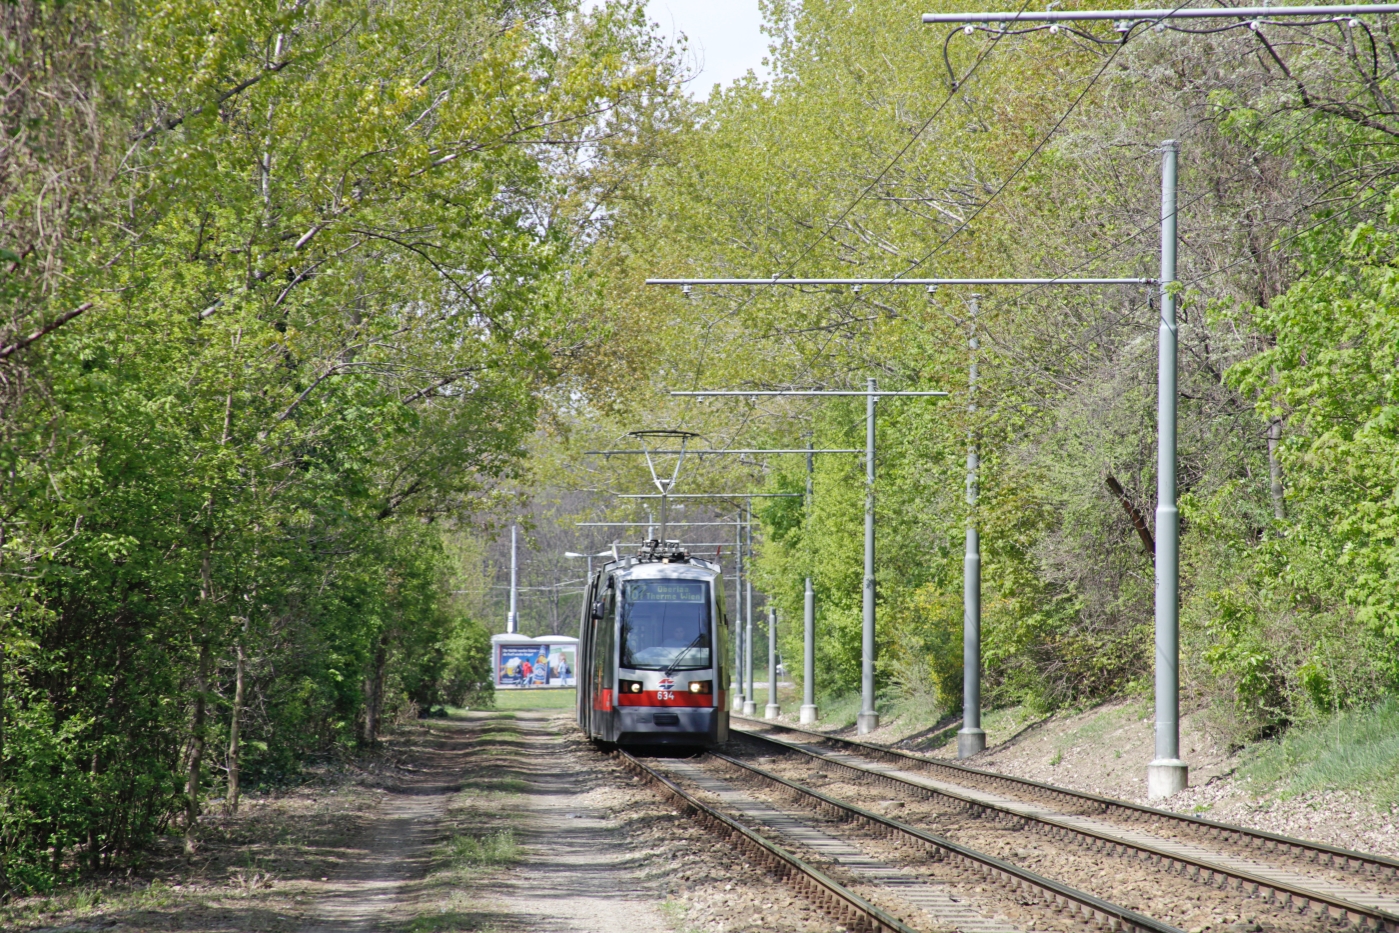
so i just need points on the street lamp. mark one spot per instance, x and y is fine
(573, 555)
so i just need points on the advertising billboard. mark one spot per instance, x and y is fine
(524, 665)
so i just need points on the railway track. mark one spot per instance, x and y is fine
(1048, 894)
(829, 894)
(967, 788)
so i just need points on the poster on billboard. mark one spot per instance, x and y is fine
(561, 670)
(522, 665)
(522, 662)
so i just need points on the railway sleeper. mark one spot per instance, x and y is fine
(841, 906)
(1189, 870)
(1132, 814)
(1032, 894)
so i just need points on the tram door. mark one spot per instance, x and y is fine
(603, 675)
(720, 654)
(584, 663)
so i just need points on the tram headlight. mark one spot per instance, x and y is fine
(702, 686)
(629, 686)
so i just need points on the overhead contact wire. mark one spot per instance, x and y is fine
(956, 86)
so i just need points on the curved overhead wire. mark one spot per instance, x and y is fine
(1122, 241)
(826, 232)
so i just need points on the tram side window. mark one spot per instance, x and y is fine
(665, 625)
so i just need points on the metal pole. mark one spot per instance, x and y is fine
(773, 710)
(663, 513)
(750, 697)
(808, 710)
(739, 653)
(868, 719)
(971, 738)
(512, 621)
(1167, 774)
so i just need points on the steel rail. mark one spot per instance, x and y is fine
(1205, 872)
(1093, 908)
(830, 894)
(1335, 856)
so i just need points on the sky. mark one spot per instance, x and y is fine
(725, 36)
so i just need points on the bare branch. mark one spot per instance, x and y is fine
(48, 328)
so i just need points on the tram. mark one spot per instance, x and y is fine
(653, 649)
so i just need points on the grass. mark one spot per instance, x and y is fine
(1003, 723)
(451, 921)
(492, 850)
(839, 711)
(553, 698)
(1354, 750)
(499, 735)
(506, 786)
(675, 913)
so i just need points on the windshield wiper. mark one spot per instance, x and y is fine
(675, 665)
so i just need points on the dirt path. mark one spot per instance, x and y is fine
(496, 823)
(483, 824)
(374, 888)
(578, 873)
(492, 829)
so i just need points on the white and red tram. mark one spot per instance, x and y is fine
(653, 651)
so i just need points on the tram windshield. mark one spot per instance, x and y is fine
(665, 625)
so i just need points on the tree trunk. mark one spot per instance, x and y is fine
(235, 721)
(3, 659)
(374, 708)
(1134, 515)
(199, 719)
(1275, 468)
(196, 749)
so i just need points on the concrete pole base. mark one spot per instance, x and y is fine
(808, 713)
(970, 741)
(738, 703)
(772, 711)
(749, 707)
(865, 723)
(1166, 777)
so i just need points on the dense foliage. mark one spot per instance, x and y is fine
(283, 283)
(869, 154)
(300, 302)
